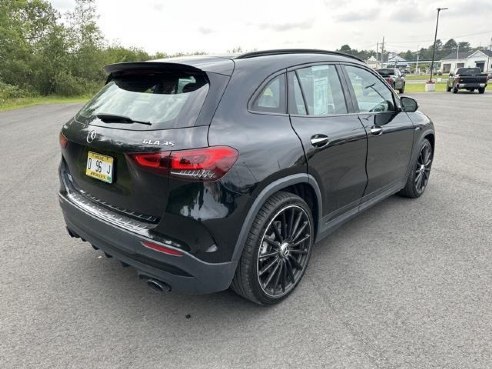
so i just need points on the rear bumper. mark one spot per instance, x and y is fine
(471, 85)
(186, 273)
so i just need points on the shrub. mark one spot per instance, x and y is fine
(12, 92)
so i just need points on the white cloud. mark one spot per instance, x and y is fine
(220, 25)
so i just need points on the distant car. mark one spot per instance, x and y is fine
(467, 79)
(394, 78)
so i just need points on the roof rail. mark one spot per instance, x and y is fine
(254, 54)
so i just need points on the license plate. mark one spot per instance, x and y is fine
(99, 167)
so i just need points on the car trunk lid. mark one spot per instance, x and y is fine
(176, 105)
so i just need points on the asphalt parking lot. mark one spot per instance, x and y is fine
(408, 284)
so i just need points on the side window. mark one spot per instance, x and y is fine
(272, 98)
(371, 93)
(320, 89)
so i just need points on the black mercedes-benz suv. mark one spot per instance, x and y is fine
(206, 173)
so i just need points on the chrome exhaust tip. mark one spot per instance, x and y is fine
(158, 285)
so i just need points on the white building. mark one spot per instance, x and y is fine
(394, 60)
(471, 59)
(373, 62)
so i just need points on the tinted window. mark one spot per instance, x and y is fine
(320, 89)
(166, 100)
(272, 97)
(371, 93)
(468, 71)
(386, 72)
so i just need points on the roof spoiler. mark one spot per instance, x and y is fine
(208, 65)
(121, 67)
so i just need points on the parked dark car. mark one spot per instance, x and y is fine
(215, 172)
(470, 79)
(394, 77)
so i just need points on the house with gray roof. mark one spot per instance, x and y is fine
(470, 59)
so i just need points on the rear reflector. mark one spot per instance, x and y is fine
(206, 164)
(63, 141)
(161, 248)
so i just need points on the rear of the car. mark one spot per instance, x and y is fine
(389, 74)
(470, 79)
(139, 180)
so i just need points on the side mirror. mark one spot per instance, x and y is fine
(408, 104)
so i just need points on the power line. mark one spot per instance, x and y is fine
(430, 40)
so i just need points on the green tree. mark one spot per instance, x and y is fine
(23, 25)
(345, 49)
(464, 46)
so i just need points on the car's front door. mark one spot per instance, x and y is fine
(390, 131)
(334, 141)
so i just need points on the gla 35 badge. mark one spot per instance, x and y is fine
(158, 143)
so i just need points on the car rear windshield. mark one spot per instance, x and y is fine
(160, 99)
(386, 72)
(468, 71)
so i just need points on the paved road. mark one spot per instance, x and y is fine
(408, 284)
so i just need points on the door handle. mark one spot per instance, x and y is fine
(319, 140)
(376, 130)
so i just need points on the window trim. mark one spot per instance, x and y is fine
(293, 71)
(350, 89)
(259, 90)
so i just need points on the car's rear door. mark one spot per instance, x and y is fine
(334, 140)
(390, 131)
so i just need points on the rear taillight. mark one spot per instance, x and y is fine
(63, 141)
(206, 164)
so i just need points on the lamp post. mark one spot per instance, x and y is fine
(435, 39)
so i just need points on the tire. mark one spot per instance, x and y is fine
(269, 271)
(481, 90)
(419, 176)
(402, 89)
(448, 89)
(455, 90)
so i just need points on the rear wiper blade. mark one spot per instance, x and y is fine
(113, 118)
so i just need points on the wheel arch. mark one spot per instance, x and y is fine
(432, 139)
(302, 185)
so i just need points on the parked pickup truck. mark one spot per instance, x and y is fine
(467, 79)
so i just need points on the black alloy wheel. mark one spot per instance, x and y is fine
(423, 167)
(283, 253)
(419, 176)
(277, 251)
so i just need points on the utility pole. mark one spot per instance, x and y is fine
(457, 56)
(417, 65)
(435, 39)
(377, 54)
(382, 53)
